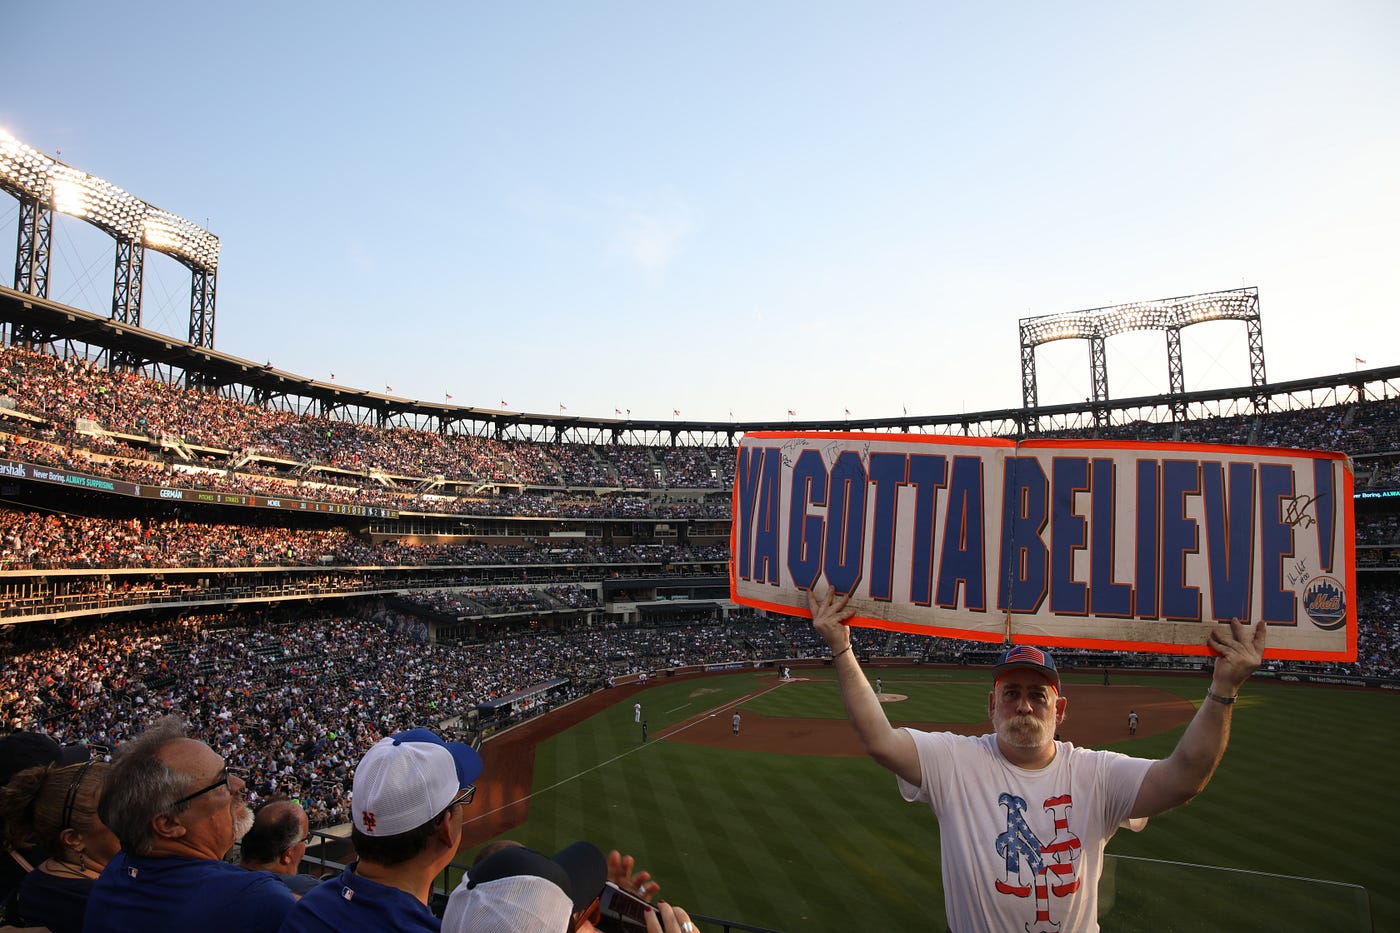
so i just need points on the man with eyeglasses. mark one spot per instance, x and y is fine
(177, 810)
(277, 842)
(409, 797)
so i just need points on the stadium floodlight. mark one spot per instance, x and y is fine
(175, 236)
(67, 194)
(22, 170)
(31, 174)
(1169, 315)
(100, 203)
(1239, 304)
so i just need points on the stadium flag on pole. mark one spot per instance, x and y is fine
(505, 404)
(791, 413)
(449, 395)
(1127, 545)
(617, 411)
(676, 412)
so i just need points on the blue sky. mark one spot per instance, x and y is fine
(736, 208)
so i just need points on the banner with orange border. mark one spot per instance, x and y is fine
(1130, 546)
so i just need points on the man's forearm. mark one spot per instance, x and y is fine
(891, 747)
(1183, 774)
(1186, 772)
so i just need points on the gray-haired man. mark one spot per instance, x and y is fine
(177, 809)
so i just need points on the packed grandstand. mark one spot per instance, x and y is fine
(172, 541)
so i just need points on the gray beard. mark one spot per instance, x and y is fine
(1022, 732)
(242, 822)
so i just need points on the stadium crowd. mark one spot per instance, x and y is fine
(293, 701)
(44, 540)
(79, 404)
(91, 414)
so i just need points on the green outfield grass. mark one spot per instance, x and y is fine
(803, 843)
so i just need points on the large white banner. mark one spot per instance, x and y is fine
(1133, 546)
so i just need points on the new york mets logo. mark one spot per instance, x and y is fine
(1035, 867)
(1325, 602)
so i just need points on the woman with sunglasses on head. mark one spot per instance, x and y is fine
(57, 808)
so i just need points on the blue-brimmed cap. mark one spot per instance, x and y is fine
(407, 779)
(1025, 657)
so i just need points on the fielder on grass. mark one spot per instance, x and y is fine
(1023, 818)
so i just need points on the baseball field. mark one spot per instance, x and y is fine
(786, 826)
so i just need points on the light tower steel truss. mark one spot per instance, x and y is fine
(126, 288)
(1169, 315)
(33, 249)
(45, 185)
(202, 288)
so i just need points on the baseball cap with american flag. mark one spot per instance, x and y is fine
(1025, 657)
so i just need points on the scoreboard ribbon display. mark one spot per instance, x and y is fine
(1122, 545)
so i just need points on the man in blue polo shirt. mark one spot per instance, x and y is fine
(176, 809)
(410, 793)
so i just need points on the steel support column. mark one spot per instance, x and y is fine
(1256, 358)
(127, 280)
(203, 284)
(1098, 374)
(33, 251)
(34, 247)
(1029, 393)
(1176, 374)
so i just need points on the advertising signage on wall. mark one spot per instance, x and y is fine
(46, 474)
(1129, 546)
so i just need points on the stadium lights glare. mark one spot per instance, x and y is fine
(29, 173)
(1237, 304)
(67, 196)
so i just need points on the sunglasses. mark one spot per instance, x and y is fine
(463, 798)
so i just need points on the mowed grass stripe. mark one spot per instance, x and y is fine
(738, 867)
(784, 854)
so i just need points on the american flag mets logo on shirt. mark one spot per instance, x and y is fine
(1036, 869)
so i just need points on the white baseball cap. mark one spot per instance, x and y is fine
(407, 779)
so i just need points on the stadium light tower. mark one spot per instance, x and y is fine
(45, 185)
(1169, 315)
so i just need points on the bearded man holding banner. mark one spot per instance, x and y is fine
(1024, 819)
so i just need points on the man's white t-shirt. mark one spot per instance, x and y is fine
(1022, 849)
